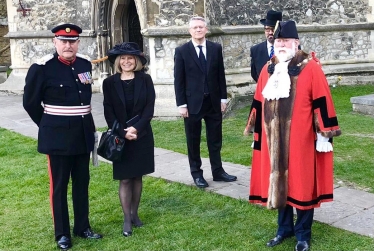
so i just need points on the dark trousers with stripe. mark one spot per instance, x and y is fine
(61, 168)
(302, 228)
(213, 124)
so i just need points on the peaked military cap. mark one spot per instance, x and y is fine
(67, 31)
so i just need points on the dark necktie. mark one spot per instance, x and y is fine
(271, 51)
(203, 66)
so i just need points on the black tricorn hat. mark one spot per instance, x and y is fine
(126, 48)
(286, 29)
(271, 18)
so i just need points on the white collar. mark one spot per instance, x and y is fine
(196, 44)
(269, 44)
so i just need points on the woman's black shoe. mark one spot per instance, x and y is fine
(137, 224)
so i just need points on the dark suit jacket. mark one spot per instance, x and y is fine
(259, 57)
(189, 77)
(115, 104)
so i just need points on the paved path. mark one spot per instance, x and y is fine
(352, 210)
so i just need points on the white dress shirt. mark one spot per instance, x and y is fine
(197, 48)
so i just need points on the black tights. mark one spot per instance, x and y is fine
(130, 191)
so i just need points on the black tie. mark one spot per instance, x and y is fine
(203, 65)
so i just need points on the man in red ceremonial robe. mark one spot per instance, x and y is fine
(293, 120)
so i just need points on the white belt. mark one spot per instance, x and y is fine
(67, 110)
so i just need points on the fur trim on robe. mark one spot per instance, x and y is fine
(277, 122)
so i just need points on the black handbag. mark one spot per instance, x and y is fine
(111, 144)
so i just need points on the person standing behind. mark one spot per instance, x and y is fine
(129, 98)
(200, 90)
(262, 52)
(62, 82)
(294, 122)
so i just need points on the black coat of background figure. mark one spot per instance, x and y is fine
(259, 57)
(138, 158)
(189, 79)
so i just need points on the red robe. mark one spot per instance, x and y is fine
(286, 168)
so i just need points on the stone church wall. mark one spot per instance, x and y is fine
(340, 32)
(4, 42)
(335, 30)
(31, 37)
(249, 12)
(32, 32)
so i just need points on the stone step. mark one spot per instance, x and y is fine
(363, 104)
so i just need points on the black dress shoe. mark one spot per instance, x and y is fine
(224, 177)
(275, 241)
(64, 243)
(200, 182)
(302, 246)
(127, 233)
(89, 234)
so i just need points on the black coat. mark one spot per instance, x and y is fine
(55, 83)
(138, 155)
(189, 77)
(115, 104)
(259, 57)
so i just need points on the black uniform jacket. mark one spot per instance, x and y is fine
(55, 83)
(259, 57)
(189, 76)
(115, 103)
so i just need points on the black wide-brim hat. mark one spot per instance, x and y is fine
(127, 48)
(286, 29)
(271, 18)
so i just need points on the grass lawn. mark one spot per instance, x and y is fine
(176, 216)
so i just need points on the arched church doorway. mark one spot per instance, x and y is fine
(117, 21)
(133, 25)
(125, 25)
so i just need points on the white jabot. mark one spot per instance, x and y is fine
(279, 83)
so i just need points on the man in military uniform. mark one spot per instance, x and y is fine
(57, 97)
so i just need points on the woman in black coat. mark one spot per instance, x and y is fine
(129, 98)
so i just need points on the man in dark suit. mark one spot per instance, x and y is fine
(62, 82)
(262, 52)
(200, 90)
